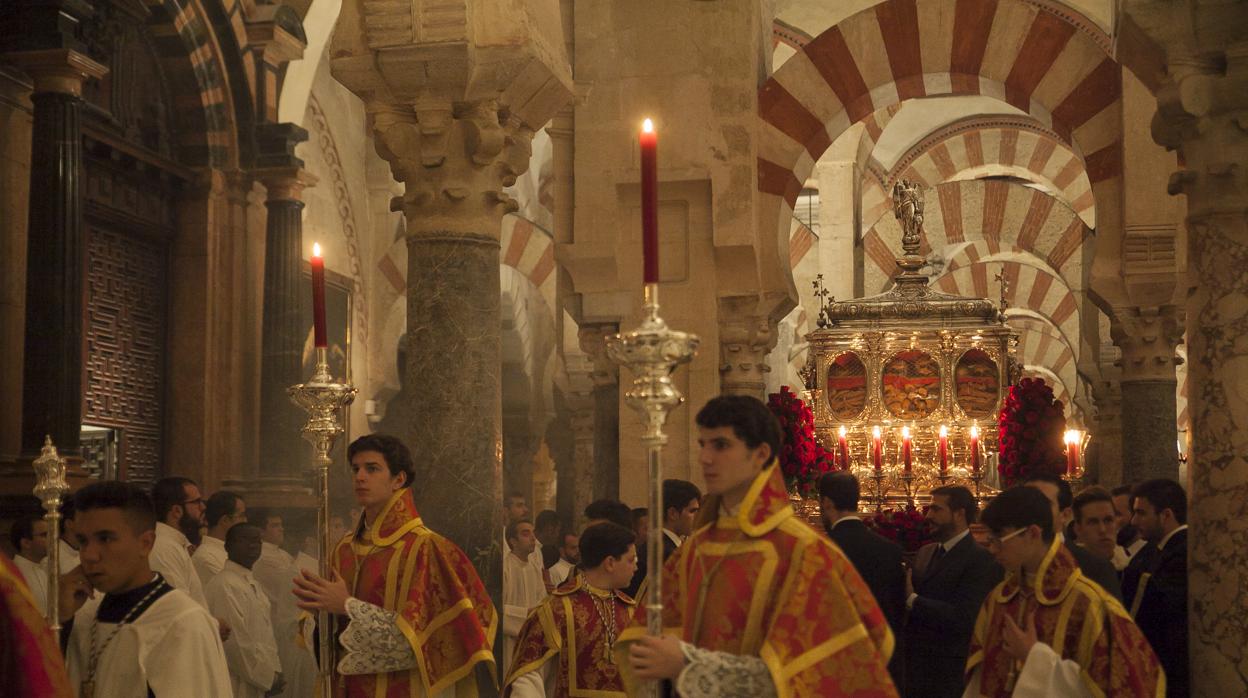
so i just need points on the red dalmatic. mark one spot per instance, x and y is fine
(30, 660)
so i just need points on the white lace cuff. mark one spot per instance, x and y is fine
(373, 641)
(721, 674)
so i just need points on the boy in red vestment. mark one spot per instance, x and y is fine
(578, 624)
(756, 602)
(1047, 630)
(30, 660)
(419, 620)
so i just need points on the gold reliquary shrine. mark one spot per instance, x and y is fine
(906, 387)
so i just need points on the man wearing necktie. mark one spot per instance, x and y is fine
(944, 591)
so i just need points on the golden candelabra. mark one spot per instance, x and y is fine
(652, 352)
(323, 399)
(50, 488)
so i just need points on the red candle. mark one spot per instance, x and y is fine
(876, 448)
(1072, 452)
(649, 202)
(905, 448)
(318, 295)
(944, 449)
(975, 448)
(842, 443)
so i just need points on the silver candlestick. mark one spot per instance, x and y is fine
(652, 352)
(323, 399)
(50, 488)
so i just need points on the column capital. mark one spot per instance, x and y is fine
(285, 183)
(746, 336)
(60, 70)
(593, 341)
(1147, 338)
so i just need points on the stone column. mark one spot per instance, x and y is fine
(745, 338)
(53, 362)
(583, 477)
(1202, 112)
(606, 397)
(1106, 441)
(279, 479)
(1147, 338)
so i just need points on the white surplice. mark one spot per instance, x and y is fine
(276, 571)
(173, 647)
(307, 563)
(523, 590)
(171, 558)
(209, 559)
(36, 575)
(251, 652)
(1045, 674)
(67, 556)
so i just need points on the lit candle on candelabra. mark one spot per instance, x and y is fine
(842, 448)
(943, 449)
(1072, 452)
(877, 448)
(318, 296)
(975, 448)
(649, 202)
(905, 448)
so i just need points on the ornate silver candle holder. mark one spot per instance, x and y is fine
(50, 488)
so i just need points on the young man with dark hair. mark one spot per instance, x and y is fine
(29, 536)
(640, 518)
(569, 558)
(877, 559)
(234, 595)
(757, 602)
(1046, 630)
(547, 528)
(578, 625)
(681, 502)
(143, 636)
(949, 581)
(1061, 500)
(223, 510)
(1159, 601)
(179, 514)
(1128, 535)
(523, 585)
(273, 572)
(418, 620)
(612, 510)
(1096, 526)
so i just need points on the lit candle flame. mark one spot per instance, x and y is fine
(975, 431)
(944, 430)
(905, 432)
(647, 126)
(316, 249)
(1071, 436)
(875, 432)
(842, 430)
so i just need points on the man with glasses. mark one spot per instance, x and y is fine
(179, 516)
(950, 580)
(1046, 630)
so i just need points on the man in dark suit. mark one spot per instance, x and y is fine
(1159, 602)
(944, 591)
(1062, 499)
(681, 502)
(877, 559)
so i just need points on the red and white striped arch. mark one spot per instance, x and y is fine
(984, 146)
(1045, 60)
(1003, 216)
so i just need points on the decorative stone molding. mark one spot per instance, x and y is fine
(745, 338)
(593, 341)
(1148, 338)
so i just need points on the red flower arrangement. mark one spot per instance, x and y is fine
(802, 458)
(905, 527)
(1031, 426)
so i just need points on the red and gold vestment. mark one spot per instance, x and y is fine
(761, 582)
(442, 607)
(30, 660)
(573, 623)
(1078, 619)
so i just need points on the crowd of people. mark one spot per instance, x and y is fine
(1043, 593)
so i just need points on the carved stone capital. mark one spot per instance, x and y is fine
(1148, 338)
(454, 161)
(746, 336)
(593, 341)
(57, 70)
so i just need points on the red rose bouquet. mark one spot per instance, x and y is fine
(905, 527)
(802, 459)
(1031, 426)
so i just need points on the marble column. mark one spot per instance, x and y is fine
(1148, 338)
(53, 361)
(745, 338)
(583, 471)
(279, 478)
(606, 397)
(1202, 112)
(1107, 435)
